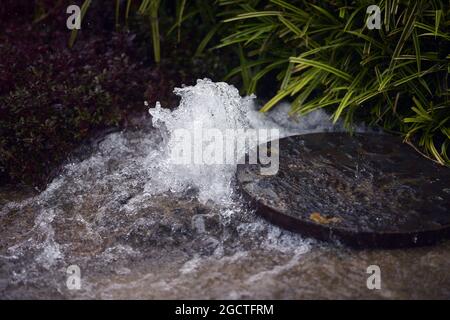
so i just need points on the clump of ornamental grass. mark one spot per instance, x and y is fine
(324, 56)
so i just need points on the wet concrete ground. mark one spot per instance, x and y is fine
(182, 249)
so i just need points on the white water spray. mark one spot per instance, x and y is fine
(217, 106)
(209, 105)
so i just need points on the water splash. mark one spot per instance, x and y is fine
(207, 105)
(210, 105)
(125, 206)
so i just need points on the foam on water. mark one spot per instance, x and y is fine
(219, 106)
(207, 105)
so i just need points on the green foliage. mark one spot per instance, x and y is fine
(324, 56)
(153, 10)
(147, 8)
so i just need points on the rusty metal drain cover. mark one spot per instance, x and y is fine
(365, 190)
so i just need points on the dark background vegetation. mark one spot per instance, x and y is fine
(53, 98)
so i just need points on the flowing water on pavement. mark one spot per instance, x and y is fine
(139, 226)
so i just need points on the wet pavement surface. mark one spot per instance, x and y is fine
(131, 243)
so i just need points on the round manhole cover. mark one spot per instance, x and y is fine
(365, 190)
